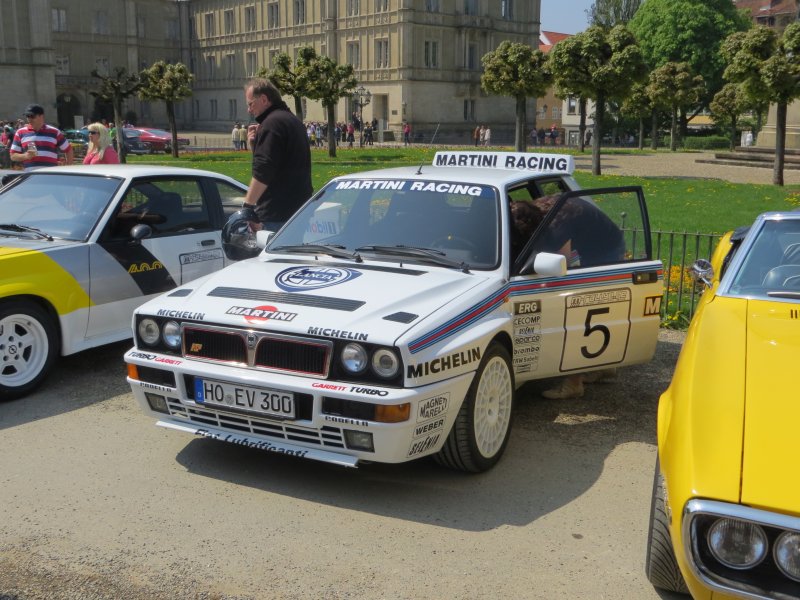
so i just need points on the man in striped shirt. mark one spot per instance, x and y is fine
(37, 144)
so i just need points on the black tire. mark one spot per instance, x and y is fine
(483, 424)
(661, 566)
(28, 347)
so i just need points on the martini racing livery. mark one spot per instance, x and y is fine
(81, 247)
(394, 316)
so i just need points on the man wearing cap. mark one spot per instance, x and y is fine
(37, 144)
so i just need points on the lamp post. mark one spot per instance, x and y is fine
(361, 97)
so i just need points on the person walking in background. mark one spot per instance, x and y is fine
(235, 136)
(482, 135)
(242, 137)
(476, 135)
(487, 136)
(553, 134)
(406, 134)
(351, 134)
(100, 151)
(37, 144)
(281, 174)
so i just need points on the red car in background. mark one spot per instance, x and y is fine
(158, 140)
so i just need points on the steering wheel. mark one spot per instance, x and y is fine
(454, 242)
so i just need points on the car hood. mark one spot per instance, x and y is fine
(13, 245)
(378, 302)
(772, 408)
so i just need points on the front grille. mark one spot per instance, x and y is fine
(258, 349)
(327, 436)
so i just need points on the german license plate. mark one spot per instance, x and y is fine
(228, 396)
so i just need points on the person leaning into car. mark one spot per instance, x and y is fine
(281, 178)
(37, 144)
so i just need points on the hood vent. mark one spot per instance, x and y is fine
(401, 317)
(286, 298)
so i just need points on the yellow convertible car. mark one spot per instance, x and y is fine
(725, 517)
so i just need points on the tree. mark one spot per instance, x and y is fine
(287, 80)
(115, 89)
(325, 80)
(689, 31)
(768, 69)
(727, 105)
(170, 83)
(599, 64)
(675, 87)
(639, 106)
(608, 13)
(519, 71)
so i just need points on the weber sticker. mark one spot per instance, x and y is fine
(428, 427)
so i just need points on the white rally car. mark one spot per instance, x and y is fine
(397, 312)
(82, 246)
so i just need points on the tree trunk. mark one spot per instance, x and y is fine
(118, 124)
(582, 126)
(332, 141)
(780, 143)
(673, 130)
(654, 131)
(519, 129)
(599, 114)
(733, 132)
(641, 133)
(298, 107)
(173, 129)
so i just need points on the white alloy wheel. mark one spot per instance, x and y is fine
(493, 402)
(27, 348)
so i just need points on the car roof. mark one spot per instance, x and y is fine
(474, 172)
(128, 171)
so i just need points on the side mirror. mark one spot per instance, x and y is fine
(702, 271)
(547, 264)
(140, 232)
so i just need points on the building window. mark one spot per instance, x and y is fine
(59, 19)
(211, 30)
(472, 56)
(381, 54)
(556, 113)
(507, 9)
(196, 109)
(250, 18)
(572, 105)
(432, 5)
(62, 65)
(213, 106)
(470, 7)
(251, 63)
(273, 54)
(101, 64)
(100, 23)
(381, 5)
(230, 61)
(432, 55)
(211, 65)
(140, 28)
(354, 54)
(192, 30)
(171, 28)
(469, 110)
(273, 16)
(299, 12)
(229, 24)
(353, 8)
(232, 109)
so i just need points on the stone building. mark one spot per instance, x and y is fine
(419, 59)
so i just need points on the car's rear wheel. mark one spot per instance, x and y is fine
(483, 424)
(661, 566)
(28, 347)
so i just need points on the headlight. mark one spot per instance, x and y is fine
(737, 544)
(385, 363)
(354, 358)
(787, 554)
(149, 331)
(172, 334)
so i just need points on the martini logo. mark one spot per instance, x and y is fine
(313, 278)
(259, 314)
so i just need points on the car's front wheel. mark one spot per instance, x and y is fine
(661, 566)
(28, 347)
(483, 424)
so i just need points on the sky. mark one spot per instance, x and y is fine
(565, 16)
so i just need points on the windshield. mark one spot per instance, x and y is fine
(771, 267)
(62, 206)
(381, 217)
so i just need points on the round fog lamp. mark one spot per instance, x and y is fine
(172, 334)
(354, 358)
(737, 544)
(149, 332)
(385, 363)
(787, 554)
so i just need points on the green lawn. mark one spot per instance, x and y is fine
(675, 204)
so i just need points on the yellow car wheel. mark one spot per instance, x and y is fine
(661, 567)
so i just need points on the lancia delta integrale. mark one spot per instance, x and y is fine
(395, 315)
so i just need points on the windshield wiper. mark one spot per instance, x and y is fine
(334, 250)
(26, 229)
(434, 256)
(782, 294)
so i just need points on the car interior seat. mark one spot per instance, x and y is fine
(785, 277)
(170, 206)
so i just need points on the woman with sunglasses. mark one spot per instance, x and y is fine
(100, 151)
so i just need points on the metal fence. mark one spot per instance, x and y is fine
(678, 251)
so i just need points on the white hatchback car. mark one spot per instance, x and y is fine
(397, 312)
(82, 246)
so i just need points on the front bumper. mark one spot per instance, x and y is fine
(315, 433)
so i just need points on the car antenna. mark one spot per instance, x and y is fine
(419, 171)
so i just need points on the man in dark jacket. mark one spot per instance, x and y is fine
(281, 179)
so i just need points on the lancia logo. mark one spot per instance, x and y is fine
(251, 339)
(313, 278)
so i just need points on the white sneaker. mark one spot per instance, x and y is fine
(569, 387)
